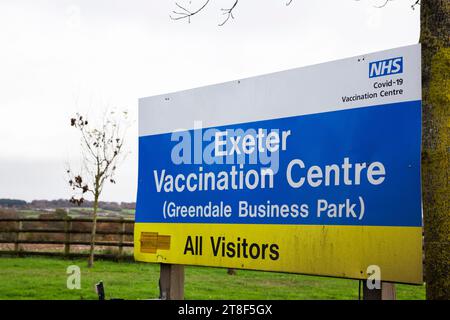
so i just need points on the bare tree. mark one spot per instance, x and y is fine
(101, 152)
(185, 13)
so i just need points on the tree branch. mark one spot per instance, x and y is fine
(229, 12)
(413, 6)
(383, 5)
(186, 14)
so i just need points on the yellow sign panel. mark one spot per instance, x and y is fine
(338, 251)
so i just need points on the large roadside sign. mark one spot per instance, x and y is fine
(314, 170)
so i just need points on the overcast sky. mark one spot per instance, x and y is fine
(58, 57)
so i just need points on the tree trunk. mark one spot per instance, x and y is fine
(93, 232)
(434, 36)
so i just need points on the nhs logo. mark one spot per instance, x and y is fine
(385, 67)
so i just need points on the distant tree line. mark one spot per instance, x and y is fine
(12, 203)
(63, 203)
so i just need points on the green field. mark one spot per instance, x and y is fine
(45, 278)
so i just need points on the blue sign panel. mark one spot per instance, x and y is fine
(364, 161)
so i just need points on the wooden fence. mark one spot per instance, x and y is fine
(69, 235)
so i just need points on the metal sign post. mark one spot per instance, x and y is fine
(171, 282)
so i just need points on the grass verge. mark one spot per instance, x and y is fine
(45, 278)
